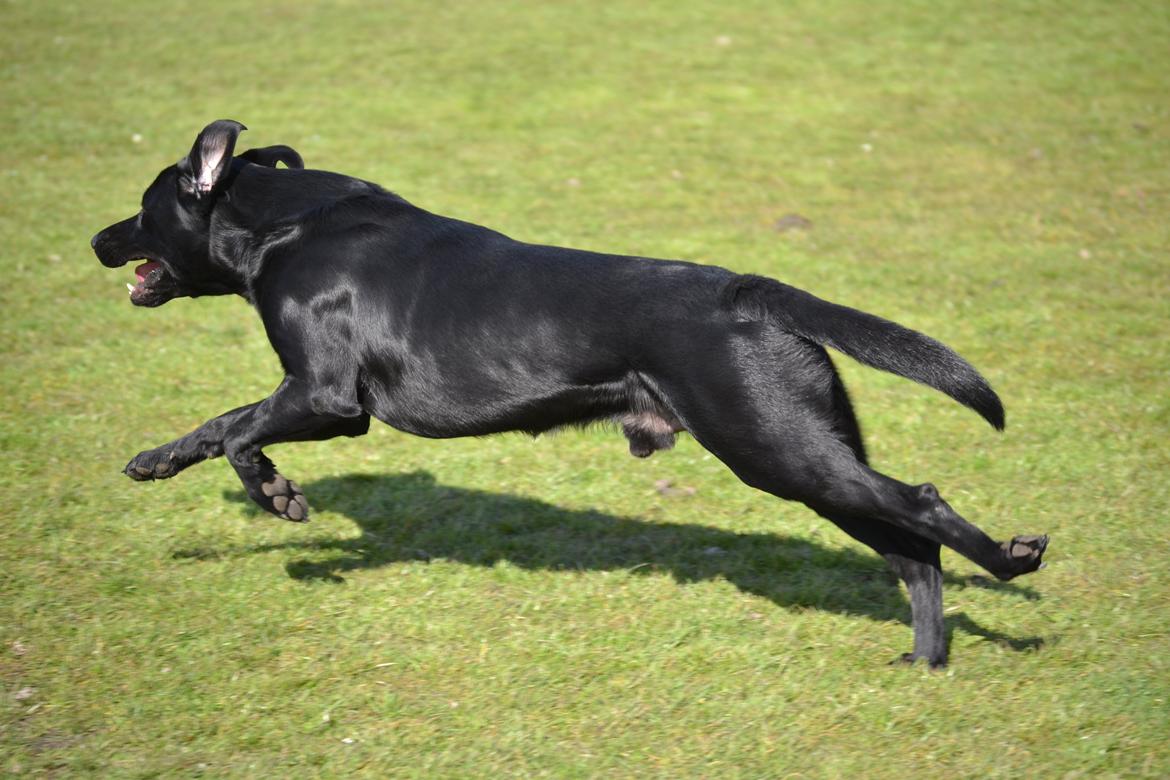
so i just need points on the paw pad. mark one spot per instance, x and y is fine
(286, 499)
(1026, 546)
(277, 487)
(1024, 555)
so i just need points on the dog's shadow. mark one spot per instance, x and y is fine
(409, 517)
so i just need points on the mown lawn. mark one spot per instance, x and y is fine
(996, 175)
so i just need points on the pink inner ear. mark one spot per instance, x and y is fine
(211, 158)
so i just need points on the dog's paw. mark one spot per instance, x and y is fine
(910, 659)
(1023, 554)
(152, 464)
(284, 499)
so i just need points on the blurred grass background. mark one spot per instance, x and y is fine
(996, 175)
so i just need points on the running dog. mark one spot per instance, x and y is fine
(441, 328)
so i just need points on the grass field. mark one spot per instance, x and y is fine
(996, 175)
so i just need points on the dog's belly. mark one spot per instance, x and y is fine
(476, 404)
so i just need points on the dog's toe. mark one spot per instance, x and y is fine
(139, 473)
(151, 464)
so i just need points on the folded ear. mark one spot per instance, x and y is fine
(211, 156)
(271, 155)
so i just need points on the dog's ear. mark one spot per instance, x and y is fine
(271, 155)
(211, 156)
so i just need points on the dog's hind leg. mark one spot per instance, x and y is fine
(806, 457)
(916, 562)
(773, 423)
(825, 475)
(913, 558)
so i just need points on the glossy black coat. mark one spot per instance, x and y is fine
(377, 308)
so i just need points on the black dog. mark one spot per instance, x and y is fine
(443, 328)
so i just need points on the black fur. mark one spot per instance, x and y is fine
(443, 328)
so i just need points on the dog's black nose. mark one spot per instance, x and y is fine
(93, 241)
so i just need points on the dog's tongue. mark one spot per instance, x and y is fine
(143, 270)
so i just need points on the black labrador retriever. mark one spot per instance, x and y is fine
(443, 328)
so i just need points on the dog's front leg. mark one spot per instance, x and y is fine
(203, 443)
(286, 415)
(289, 414)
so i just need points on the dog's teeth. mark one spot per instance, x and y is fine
(129, 287)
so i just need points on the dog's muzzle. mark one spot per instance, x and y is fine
(113, 246)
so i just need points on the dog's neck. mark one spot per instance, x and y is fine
(262, 209)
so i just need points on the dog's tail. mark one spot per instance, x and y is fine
(870, 340)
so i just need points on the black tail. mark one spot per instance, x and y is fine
(873, 341)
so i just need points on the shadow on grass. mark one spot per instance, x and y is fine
(409, 517)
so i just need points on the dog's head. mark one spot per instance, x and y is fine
(172, 232)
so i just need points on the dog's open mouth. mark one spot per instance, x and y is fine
(149, 275)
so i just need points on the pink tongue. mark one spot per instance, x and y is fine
(143, 270)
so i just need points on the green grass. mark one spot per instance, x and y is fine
(996, 175)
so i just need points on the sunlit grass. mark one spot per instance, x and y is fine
(994, 175)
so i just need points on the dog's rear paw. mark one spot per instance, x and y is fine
(1024, 554)
(284, 499)
(910, 659)
(152, 464)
